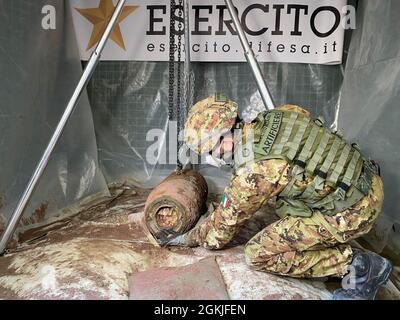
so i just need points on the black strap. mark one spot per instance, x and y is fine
(320, 174)
(376, 166)
(343, 186)
(299, 163)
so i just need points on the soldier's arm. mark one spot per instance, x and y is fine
(294, 108)
(248, 190)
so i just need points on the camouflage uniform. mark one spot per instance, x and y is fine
(294, 246)
(207, 121)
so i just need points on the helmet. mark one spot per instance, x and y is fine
(207, 121)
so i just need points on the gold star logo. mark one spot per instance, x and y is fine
(100, 17)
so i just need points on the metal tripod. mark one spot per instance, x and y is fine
(87, 74)
(251, 59)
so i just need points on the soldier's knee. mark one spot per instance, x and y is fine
(260, 259)
(249, 254)
(253, 255)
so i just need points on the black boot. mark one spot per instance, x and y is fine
(370, 271)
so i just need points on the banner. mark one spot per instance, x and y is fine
(305, 31)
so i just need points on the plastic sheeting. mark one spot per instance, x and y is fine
(39, 70)
(130, 98)
(369, 109)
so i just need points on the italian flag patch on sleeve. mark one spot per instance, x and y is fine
(224, 201)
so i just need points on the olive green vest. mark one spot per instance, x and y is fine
(315, 152)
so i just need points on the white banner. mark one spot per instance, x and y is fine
(302, 31)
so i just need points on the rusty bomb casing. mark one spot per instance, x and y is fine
(176, 203)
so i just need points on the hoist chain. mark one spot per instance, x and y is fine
(171, 62)
(178, 84)
(175, 102)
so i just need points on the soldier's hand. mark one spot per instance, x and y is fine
(171, 238)
(211, 208)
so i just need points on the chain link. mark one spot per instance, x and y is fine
(178, 84)
(171, 62)
(175, 102)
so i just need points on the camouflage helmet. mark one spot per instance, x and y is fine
(207, 121)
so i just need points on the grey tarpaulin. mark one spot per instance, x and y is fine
(370, 108)
(129, 98)
(39, 70)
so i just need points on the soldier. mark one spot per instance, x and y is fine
(327, 194)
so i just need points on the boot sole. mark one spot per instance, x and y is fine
(382, 279)
(386, 274)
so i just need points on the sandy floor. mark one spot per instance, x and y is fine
(90, 255)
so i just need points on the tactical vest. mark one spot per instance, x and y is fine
(315, 153)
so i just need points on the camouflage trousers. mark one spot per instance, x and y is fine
(293, 246)
(315, 246)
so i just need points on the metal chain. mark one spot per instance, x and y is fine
(178, 84)
(191, 89)
(171, 62)
(174, 102)
(189, 77)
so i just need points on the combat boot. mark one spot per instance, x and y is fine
(371, 271)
